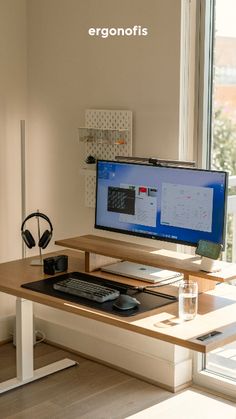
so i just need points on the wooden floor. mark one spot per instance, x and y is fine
(90, 390)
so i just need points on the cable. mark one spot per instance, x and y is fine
(39, 332)
(149, 291)
(163, 284)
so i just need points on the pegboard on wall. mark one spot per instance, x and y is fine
(106, 134)
(90, 189)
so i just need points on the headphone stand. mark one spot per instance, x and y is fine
(36, 262)
(39, 261)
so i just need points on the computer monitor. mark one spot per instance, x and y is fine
(175, 204)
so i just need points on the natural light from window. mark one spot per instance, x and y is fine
(223, 360)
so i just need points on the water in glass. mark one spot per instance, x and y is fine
(188, 300)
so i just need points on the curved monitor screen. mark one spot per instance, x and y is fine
(180, 205)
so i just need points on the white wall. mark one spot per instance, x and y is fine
(70, 71)
(13, 90)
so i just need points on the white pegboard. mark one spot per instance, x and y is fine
(110, 124)
(90, 190)
(109, 120)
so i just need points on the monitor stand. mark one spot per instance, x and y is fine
(142, 272)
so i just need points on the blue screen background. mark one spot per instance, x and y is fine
(116, 173)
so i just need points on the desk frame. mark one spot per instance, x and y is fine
(25, 372)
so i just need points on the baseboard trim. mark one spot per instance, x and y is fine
(6, 328)
(120, 369)
(3, 342)
(173, 376)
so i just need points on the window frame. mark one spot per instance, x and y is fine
(204, 47)
(210, 380)
(205, 16)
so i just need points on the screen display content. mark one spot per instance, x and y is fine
(180, 205)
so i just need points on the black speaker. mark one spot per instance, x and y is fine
(55, 264)
(45, 237)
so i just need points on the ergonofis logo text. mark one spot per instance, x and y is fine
(137, 30)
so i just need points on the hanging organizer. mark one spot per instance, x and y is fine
(106, 134)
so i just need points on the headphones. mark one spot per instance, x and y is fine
(27, 236)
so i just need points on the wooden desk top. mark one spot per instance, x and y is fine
(216, 309)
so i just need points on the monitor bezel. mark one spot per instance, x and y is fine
(155, 237)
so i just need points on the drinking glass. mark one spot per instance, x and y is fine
(188, 300)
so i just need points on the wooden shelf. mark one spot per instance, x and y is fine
(188, 265)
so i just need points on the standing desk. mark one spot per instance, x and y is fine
(216, 311)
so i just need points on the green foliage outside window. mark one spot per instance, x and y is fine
(224, 143)
(224, 158)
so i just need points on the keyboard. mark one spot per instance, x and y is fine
(86, 289)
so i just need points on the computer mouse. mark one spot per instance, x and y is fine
(125, 302)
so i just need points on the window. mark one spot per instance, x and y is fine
(217, 129)
(223, 149)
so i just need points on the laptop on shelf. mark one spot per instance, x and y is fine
(142, 272)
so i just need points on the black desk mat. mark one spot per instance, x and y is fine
(148, 300)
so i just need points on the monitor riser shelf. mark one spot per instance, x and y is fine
(101, 251)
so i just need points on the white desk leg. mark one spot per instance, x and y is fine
(24, 350)
(24, 340)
